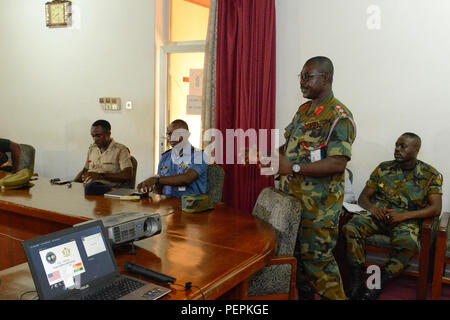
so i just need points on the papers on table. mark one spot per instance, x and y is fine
(353, 207)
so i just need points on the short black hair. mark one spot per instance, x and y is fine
(102, 123)
(325, 65)
(414, 136)
(180, 124)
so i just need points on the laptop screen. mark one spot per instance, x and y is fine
(69, 259)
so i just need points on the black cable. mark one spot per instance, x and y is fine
(21, 296)
(201, 291)
(188, 286)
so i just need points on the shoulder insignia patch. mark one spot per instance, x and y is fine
(341, 111)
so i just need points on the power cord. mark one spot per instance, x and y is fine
(27, 292)
(188, 285)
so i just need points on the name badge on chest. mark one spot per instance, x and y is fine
(316, 155)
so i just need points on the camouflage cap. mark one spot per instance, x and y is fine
(192, 203)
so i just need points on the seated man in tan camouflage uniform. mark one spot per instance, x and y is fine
(107, 161)
(398, 194)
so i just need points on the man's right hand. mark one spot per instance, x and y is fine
(147, 186)
(380, 214)
(90, 176)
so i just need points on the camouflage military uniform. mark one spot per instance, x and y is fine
(400, 193)
(321, 198)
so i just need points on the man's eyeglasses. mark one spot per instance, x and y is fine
(307, 76)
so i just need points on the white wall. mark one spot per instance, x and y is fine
(51, 79)
(394, 79)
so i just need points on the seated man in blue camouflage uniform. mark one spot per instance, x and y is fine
(398, 194)
(182, 170)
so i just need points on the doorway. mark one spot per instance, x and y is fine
(180, 60)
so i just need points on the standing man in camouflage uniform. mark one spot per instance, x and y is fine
(312, 164)
(398, 194)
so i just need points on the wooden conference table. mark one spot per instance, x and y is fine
(217, 250)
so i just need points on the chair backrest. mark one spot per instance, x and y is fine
(214, 184)
(135, 164)
(283, 213)
(131, 184)
(349, 195)
(350, 174)
(27, 157)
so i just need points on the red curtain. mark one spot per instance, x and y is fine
(245, 87)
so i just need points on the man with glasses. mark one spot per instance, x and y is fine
(182, 170)
(312, 163)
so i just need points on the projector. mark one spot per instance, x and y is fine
(128, 227)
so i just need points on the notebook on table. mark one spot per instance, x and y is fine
(79, 264)
(117, 193)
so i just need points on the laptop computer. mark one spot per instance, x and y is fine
(78, 264)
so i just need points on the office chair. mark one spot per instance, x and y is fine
(277, 279)
(28, 153)
(441, 272)
(214, 185)
(131, 184)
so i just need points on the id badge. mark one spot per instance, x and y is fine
(316, 155)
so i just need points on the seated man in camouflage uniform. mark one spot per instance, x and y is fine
(398, 194)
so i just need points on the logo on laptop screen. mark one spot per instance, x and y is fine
(66, 252)
(51, 257)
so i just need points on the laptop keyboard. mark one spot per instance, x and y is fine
(115, 290)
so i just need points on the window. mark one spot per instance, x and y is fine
(181, 43)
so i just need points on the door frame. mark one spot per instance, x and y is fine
(162, 118)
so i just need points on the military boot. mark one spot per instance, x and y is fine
(305, 293)
(356, 289)
(373, 294)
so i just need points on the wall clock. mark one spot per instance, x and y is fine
(58, 13)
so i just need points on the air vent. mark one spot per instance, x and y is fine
(116, 232)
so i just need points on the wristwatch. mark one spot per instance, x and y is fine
(296, 167)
